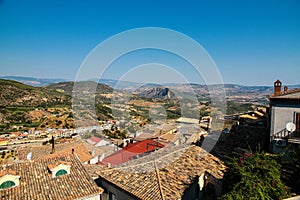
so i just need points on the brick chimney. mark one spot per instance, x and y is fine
(277, 87)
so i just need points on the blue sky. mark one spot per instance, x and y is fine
(252, 42)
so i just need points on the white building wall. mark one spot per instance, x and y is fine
(281, 116)
(95, 197)
(103, 143)
(94, 160)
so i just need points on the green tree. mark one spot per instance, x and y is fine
(254, 176)
(295, 173)
(3, 154)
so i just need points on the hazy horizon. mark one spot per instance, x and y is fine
(108, 79)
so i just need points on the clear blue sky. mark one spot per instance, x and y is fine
(252, 42)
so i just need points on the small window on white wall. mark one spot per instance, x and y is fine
(60, 168)
(9, 180)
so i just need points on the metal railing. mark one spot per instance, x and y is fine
(282, 134)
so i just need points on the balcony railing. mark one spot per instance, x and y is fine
(282, 134)
(292, 137)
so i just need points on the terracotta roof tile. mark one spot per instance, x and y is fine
(39, 152)
(36, 181)
(53, 165)
(290, 94)
(94, 140)
(169, 137)
(5, 171)
(165, 174)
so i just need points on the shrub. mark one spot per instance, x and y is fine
(254, 176)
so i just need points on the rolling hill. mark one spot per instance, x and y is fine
(14, 93)
(37, 82)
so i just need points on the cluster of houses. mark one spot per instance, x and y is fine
(91, 169)
(77, 170)
(168, 165)
(34, 135)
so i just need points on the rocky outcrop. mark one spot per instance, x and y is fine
(157, 92)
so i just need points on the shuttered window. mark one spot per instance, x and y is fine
(7, 184)
(61, 172)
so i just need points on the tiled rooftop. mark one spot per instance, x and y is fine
(93, 169)
(131, 150)
(36, 181)
(94, 140)
(164, 174)
(41, 151)
(289, 94)
(169, 137)
(53, 165)
(187, 120)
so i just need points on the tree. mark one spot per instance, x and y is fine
(295, 173)
(254, 176)
(3, 154)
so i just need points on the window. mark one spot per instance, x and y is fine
(297, 123)
(210, 191)
(111, 196)
(61, 172)
(7, 184)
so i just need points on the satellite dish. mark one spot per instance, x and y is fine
(290, 127)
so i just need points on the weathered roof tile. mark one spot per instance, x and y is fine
(36, 181)
(164, 174)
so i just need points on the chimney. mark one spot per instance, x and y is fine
(73, 151)
(285, 89)
(52, 142)
(277, 88)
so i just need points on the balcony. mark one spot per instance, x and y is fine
(292, 137)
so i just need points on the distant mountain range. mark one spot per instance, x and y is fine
(127, 85)
(17, 99)
(37, 82)
(234, 92)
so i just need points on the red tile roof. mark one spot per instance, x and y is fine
(289, 94)
(15, 134)
(131, 150)
(94, 140)
(3, 139)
